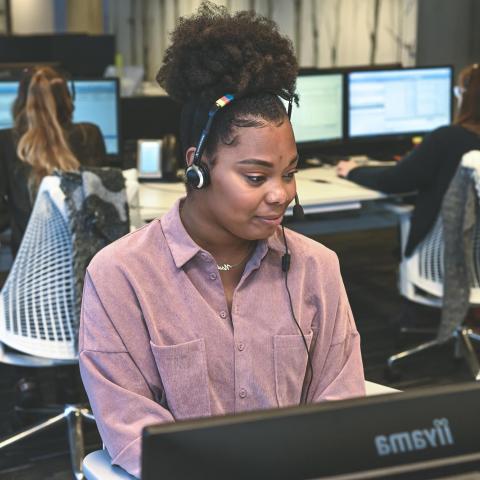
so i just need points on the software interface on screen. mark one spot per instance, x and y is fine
(95, 102)
(319, 116)
(8, 92)
(399, 101)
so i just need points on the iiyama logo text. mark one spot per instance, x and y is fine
(438, 436)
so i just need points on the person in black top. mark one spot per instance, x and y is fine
(430, 167)
(43, 139)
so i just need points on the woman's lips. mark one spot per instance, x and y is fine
(271, 220)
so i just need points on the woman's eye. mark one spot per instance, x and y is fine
(291, 174)
(255, 179)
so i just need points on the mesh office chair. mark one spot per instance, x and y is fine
(38, 308)
(422, 276)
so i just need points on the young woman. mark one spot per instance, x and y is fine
(212, 308)
(43, 139)
(430, 167)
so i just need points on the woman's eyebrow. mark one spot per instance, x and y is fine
(263, 163)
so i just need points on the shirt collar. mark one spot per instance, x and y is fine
(183, 248)
(181, 245)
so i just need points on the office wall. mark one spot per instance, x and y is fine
(448, 32)
(85, 16)
(324, 32)
(33, 16)
(3, 17)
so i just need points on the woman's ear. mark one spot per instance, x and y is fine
(189, 154)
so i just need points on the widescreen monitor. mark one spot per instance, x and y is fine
(96, 101)
(398, 102)
(319, 118)
(425, 433)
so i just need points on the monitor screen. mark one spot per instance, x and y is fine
(399, 102)
(320, 114)
(424, 430)
(8, 92)
(96, 101)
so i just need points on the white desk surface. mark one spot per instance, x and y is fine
(319, 190)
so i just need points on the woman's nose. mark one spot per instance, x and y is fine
(278, 193)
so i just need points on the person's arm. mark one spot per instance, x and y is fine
(122, 400)
(336, 357)
(416, 170)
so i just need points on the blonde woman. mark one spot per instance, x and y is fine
(43, 139)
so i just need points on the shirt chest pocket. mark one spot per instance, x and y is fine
(183, 370)
(291, 359)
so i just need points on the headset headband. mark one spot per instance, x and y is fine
(220, 103)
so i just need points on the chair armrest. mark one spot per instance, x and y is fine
(399, 209)
(97, 466)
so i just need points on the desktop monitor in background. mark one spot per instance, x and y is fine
(399, 102)
(8, 93)
(96, 101)
(319, 118)
(427, 434)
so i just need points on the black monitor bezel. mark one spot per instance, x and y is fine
(378, 137)
(419, 405)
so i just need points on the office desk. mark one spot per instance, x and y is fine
(319, 190)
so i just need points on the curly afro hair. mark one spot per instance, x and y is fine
(213, 53)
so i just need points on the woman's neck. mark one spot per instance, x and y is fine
(209, 235)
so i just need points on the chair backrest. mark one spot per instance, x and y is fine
(424, 269)
(37, 302)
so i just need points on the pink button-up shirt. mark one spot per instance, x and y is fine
(157, 342)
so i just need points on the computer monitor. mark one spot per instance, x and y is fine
(414, 434)
(96, 101)
(319, 118)
(398, 102)
(8, 93)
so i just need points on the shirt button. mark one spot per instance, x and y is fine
(242, 393)
(204, 256)
(213, 276)
(223, 314)
(241, 346)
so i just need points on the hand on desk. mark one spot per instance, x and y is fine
(345, 166)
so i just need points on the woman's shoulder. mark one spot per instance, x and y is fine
(141, 245)
(85, 128)
(449, 132)
(310, 250)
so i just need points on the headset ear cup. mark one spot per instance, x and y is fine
(197, 176)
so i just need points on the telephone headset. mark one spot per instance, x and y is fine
(197, 176)
(468, 80)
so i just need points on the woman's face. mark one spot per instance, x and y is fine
(252, 181)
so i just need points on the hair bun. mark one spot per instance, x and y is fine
(213, 53)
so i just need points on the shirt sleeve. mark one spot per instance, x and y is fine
(336, 360)
(414, 171)
(121, 399)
